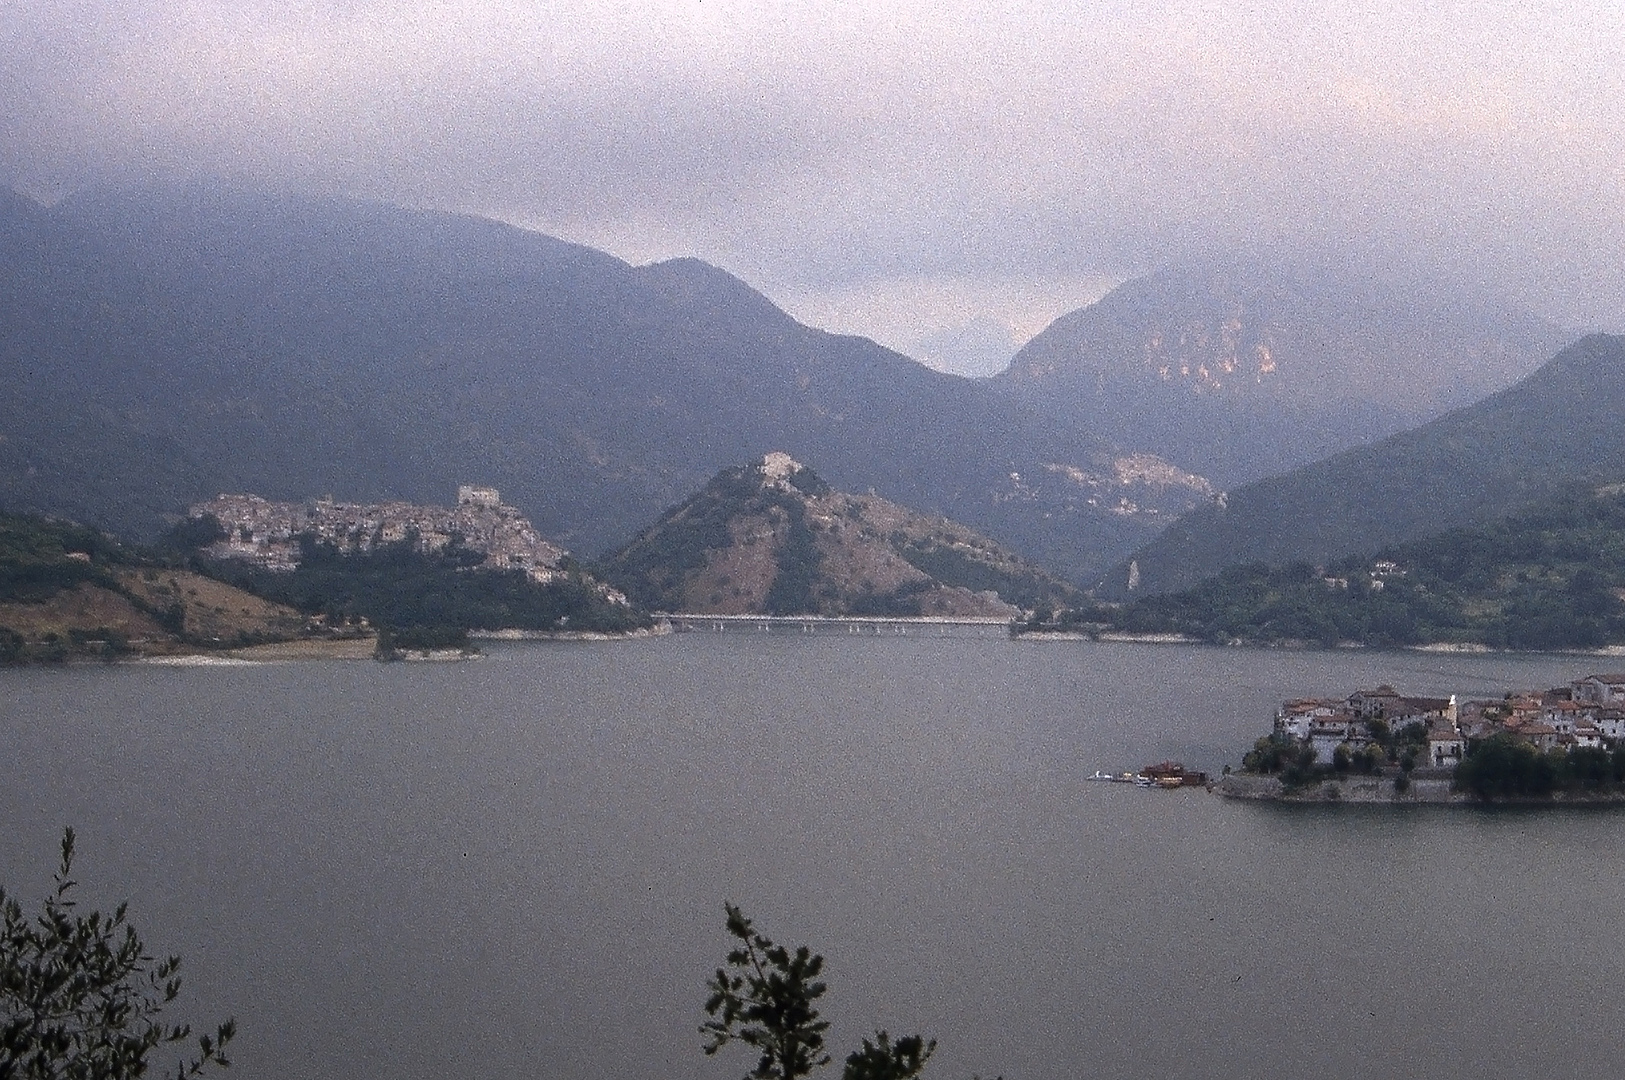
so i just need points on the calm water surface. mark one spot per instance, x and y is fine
(517, 867)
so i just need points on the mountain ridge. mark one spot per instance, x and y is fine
(1473, 465)
(165, 346)
(1240, 371)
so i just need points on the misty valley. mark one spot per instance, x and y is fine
(736, 610)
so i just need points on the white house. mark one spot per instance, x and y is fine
(1587, 735)
(1611, 722)
(1445, 744)
(1326, 733)
(1296, 718)
(1565, 716)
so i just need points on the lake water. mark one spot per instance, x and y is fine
(517, 867)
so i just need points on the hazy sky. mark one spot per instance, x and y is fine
(893, 169)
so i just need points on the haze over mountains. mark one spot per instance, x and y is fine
(1559, 427)
(165, 345)
(162, 346)
(1243, 371)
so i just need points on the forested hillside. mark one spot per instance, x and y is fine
(1478, 464)
(1550, 577)
(432, 598)
(162, 346)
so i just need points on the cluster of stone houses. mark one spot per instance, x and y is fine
(1324, 724)
(1588, 712)
(267, 533)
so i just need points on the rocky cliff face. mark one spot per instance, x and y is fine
(1244, 372)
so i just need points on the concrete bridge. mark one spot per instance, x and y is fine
(871, 626)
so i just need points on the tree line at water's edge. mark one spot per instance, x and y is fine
(1500, 767)
(1548, 578)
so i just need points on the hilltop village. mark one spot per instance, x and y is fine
(1382, 744)
(267, 533)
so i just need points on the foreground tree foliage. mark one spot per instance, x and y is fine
(767, 999)
(883, 1059)
(80, 997)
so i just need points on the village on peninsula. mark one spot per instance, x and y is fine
(1566, 743)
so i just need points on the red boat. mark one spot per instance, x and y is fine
(1171, 774)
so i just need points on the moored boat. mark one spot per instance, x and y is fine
(1172, 774)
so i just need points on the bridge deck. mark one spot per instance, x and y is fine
(839, 624)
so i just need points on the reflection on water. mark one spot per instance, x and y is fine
(517, 866)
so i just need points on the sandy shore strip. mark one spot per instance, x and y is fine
(307, 649)
(658, 630)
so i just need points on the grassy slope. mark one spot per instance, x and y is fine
(68, 590)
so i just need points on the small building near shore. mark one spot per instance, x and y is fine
(1445, 744)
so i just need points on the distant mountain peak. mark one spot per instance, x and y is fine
(1243, 371)
(164, 345)
(696, 283)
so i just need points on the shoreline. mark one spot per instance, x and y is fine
(316, 649)
(1360, 790)
(273, 652)
(363, 648)
(1465, 648)
(299, 649)
(660, 629)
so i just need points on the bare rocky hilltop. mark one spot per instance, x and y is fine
(774, 538)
